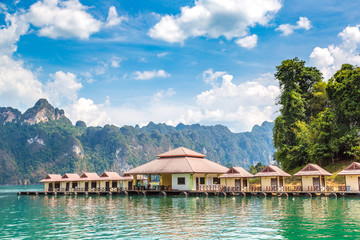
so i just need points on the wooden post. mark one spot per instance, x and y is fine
(134, 181)
(191, 181)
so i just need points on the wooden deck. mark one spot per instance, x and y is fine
(198, 193)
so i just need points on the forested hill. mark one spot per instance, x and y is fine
(319, 118)
(42, 140)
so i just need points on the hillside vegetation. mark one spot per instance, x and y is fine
(43, 140)
(319, 120)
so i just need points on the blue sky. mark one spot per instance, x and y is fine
(131, 62)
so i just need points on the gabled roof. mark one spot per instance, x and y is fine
(312, 170)
(110, 176)
(352, 169)
(181, 152)
(52, 178)
(86, 176)
(180, 160)
(70, 177)
(130, 177)
(272, 171)
(236, 172)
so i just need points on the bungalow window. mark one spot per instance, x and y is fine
(202, 180)
(216, 180)
(181, 181)
(74, 185)
(114, 184)
(93, 184)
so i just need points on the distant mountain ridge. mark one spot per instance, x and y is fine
(43, 140)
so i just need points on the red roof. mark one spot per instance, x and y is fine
(352, 169)
(110, 176)
(130, 177)
(181, 152)
(70, 177)
(312, 170)
(86, 176)
(236, 172)
(272, 171)
(52, 178)
(180, 160)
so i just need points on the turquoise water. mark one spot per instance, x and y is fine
(80, 217)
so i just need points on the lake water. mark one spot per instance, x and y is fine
(81, 217)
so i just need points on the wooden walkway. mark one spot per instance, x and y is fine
(198, 193)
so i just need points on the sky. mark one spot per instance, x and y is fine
(128, 62)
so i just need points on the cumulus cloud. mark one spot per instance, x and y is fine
(248, 41)
(215, 18)
(16, 26)
(330, 59)
(113, 18)
(287, 29)
(238, 106)
(146, 75)
(58, 19)
(63, 89)
(18, 85)
(211, 77)
(89, 112)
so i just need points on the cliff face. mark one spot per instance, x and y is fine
(43, 140)
(42, 112)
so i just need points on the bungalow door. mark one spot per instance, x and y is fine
(245, 182)
(273, 184)
(238, 184)
(107, 186)
(67, 186)
(50, 187)
(86, 186)
(359, 183)
(130, 185)
(316, 183)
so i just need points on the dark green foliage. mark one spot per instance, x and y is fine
(257, 168)
(319, 121)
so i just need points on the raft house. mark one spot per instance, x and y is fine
(313, 178)
(272, 179)
(236, 179)
(182, 169)
(352, 177)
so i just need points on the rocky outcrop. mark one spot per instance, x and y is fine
(9, 114)
(43, 111)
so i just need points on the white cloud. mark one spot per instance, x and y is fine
(146, 75)
(18, 85)
(211, 77)
(287, 29)
(63, 89)
(89, 112)
(162, 94)
(16, 26)
(215, 18)
(115, 62)
(330, 59)
(238, 106)
(248, 41)
(113, 18)
(62, 19)
(163, 54)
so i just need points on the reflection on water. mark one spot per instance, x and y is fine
(81, 217)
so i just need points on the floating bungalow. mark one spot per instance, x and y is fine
(51, 182)
(272, 179)
(313, 178)
(236, 179)
(182, 169)
(352, 177)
